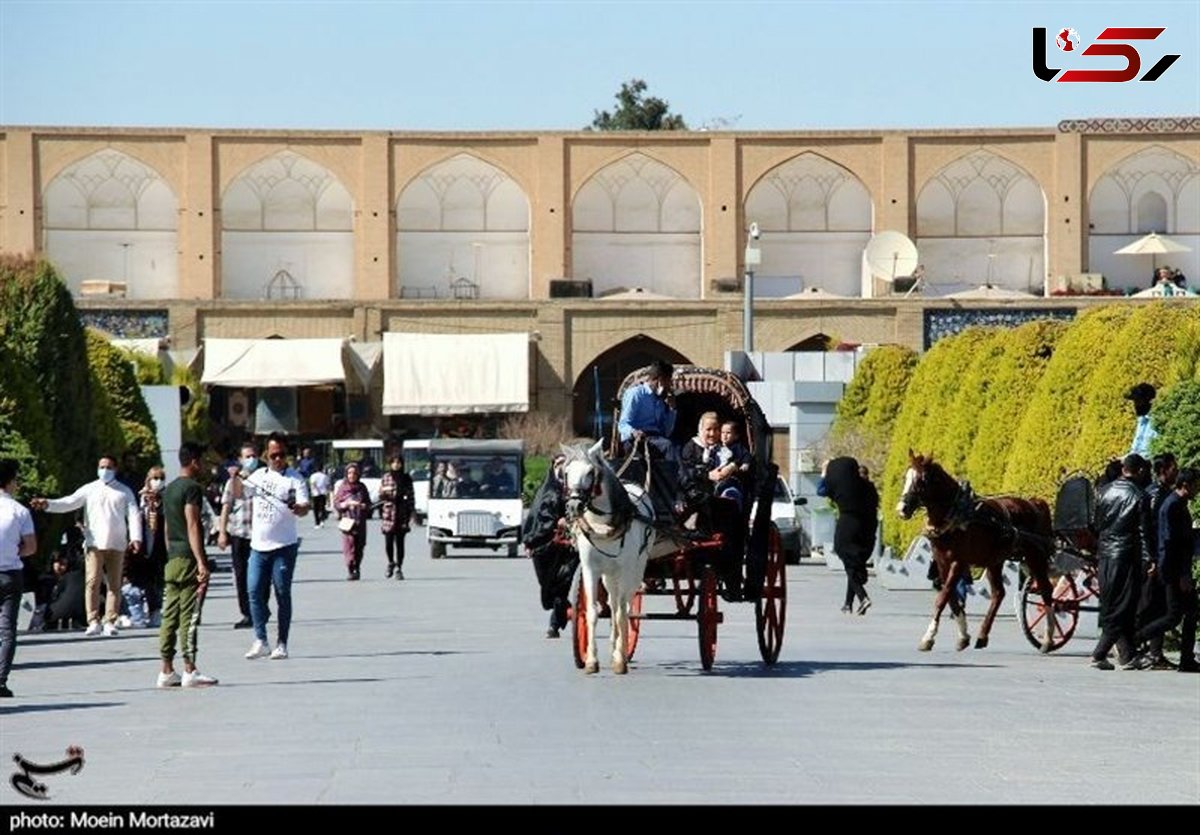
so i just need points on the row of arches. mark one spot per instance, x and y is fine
(635, 222)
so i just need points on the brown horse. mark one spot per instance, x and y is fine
(967, 531)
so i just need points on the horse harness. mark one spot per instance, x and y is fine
(966, 509)
(619, 527)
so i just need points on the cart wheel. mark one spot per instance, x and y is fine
(684, 586)
(707, 618)
(1032, 613)
(579, 633)
(635, 624)
(770, 610)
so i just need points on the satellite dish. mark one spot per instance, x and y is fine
(890, 255)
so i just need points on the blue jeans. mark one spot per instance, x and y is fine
(11, 588)
(267, 569)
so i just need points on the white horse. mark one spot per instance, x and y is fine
(610, 523)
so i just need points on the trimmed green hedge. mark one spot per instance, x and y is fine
(41, 326)
(957, 424)
(934, 384)
(1028, 351)
(122, 418)
(1144, 350)
(25, 429)
(1041, 451)
(867, 413)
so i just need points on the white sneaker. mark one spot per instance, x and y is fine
(198, 679)
(258, 650)
(279, 652)
(110, 629)
(93, 629)
(170, 679)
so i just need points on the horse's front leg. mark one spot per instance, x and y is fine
(1042, 577)
(995, 575)
(939, 603)
(592, 589)
(619, 605)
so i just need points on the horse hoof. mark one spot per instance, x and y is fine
(925, 646)
(1047, 648)
(592, 668)
(963, 643)
(981, 643)
(620, 668)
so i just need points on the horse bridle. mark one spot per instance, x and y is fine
(961, 506)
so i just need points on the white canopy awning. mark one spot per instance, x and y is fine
(273, 363)
(453, 374)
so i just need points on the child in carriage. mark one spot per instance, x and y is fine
(732, 464)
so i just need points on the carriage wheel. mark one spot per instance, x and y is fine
(685, 597)
(707, 618)
(579, 627)
(770, 609)
(635, 624)
(1033, 614)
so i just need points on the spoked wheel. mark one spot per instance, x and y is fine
(770, 610)
(635, 624)
(1033, 614)
(684, 587)
(707, 618)
(579, 627)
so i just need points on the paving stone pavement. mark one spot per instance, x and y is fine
(442, 689)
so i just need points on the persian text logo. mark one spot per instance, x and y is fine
(23, 780)
(1066, 39)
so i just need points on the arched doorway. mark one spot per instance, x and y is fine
(595, 392)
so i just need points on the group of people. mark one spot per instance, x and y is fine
(457, 480)
(1145, 547)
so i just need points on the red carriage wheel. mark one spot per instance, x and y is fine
(707, 618)
(635, 624)
(770, 610)
(579, 627)
(1065, 614)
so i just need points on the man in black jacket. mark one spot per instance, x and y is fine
(1123, 527)
(1153, 603)
(1176, 547)
(553, 562)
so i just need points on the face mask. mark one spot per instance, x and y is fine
(156, 484)
(250, 464)
(106, 475)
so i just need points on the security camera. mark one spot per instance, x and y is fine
(754, 233)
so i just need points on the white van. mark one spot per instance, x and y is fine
(416, 464)
(475, 495)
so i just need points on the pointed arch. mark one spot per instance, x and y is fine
(110, 216)
(609, 368)
(1155, 189)
(463, 219)
(818, 215)
(981, 219)
(636, 222)
(287, 212)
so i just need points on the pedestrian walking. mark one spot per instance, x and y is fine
(353, 505)
(396, 494)
(17, 542)
(234, 528)
(857, 502)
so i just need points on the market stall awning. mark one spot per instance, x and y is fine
(454, 374)
(273, 363)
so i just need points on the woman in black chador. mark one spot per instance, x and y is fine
(857, 502)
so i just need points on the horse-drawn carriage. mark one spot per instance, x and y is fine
(1075, 585)
(695, 569)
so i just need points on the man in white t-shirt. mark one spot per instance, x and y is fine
(17, 541)
(279, 495)
(318, 486)
(114, 523)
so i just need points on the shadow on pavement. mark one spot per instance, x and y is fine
(8, 711)
(81, 662)
(800, 669)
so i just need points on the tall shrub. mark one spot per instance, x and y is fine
(934, 384)
(866, 414)
(115, 376)
(958, 423)
(1040, 455)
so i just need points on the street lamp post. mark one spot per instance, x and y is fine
(753, 258)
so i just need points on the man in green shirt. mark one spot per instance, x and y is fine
(186, 572)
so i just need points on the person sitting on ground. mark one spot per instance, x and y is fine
(65, 607)
(133, 605)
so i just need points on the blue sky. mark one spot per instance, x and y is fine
(549, 65)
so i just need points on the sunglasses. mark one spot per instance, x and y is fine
(275, 456)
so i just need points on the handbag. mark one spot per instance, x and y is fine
(346, 525)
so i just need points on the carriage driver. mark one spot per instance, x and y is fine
(648, 416)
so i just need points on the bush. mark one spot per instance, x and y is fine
(866, 414)
(25, 430)
(41, 327)
(1144, 350)
(933, 385)
(1041, 452)
(1028, 351)
(541, 432)
(958, 423)
(536, 467)
(122, 418)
